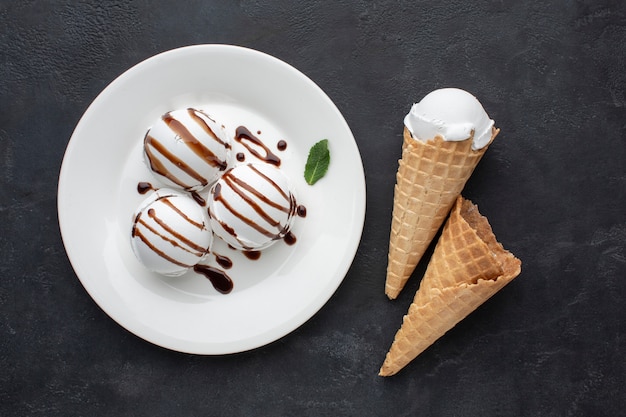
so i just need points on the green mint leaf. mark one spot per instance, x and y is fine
(317, 162)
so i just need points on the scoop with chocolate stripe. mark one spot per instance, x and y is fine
(170, 232)
(187, 149)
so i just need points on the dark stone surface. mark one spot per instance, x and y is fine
(553, 343)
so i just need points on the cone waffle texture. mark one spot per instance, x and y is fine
(468, 266)
(431, 175)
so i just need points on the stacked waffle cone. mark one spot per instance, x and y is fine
(431, 175)
(467, 267)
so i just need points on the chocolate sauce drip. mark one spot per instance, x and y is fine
(282, 145)
(248, 221)
(172, 236)
(137, 217)
(253, 255)
(221, 282)
(144, 187)
(192, 142)
(240, 156)
(290, 238)
(196, 250)
(155, 149)
(301, 211)
(195, 115)
(217, 196)
(252, 197)
(239, 186)
(144, 239)
(150, 146)
(251, 142)
(217, 191)
(224, 261)
(169, 203)
(152, 214)
(273, 184)
(198, 198)
(293, 206)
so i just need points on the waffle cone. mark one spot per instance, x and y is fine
(431, 175)
(468, 266)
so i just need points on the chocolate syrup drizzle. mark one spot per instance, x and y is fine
(255, 200)
(290, 238)
(221, 282)
(144, 187)
(147, 232)
(224, 261)
(218, 277)
(153, 148)
(252, 143)
(198, 198)
(253, 255)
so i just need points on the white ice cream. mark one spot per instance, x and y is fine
(251, 206)
(187, 149)
(452, 114)
(170, 233)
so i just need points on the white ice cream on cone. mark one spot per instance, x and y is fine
(445, 136)
(453, 114)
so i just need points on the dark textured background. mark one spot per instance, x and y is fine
(552, 343)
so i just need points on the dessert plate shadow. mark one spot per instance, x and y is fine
(103, 165)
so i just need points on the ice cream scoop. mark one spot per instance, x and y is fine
(170, 232)
(251, 206)
(187, 149)
(451, 113)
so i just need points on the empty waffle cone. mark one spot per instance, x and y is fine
(431, 175)
(468, 266)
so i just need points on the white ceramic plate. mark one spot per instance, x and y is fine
(103, 164)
